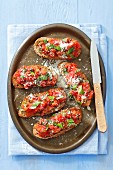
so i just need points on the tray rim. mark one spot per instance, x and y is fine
(9, 95)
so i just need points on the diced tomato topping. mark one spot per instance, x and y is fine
(41, 128)
(60, 53)
(43, 46)
(32, 76)
(74, 79)
(71, 67)
(43, 71)
(43, 103)
(68, 116)
(56, 130)
(62, 120)
(90, 95)
(54, 48)
(52, 41)
(55, 103)
(86, 86)
(51, 126)
(53, 51)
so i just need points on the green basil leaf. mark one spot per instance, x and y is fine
(54, 123)
(50, 121)
(70, 50)
(51, 97)
(70, 120)
(51, 46)
(78, 70)
(54, 115)
(22, 76)
(74, 86)
(43, 77)
(72, 56)
(87, 81)
(34, 105)
(32, 73)
(60, 125)
(58, 48)
(64, 39)
(65, 70)
(70, 96)
(24, 70)
(79, 102)
(45, 41)
(80, 90)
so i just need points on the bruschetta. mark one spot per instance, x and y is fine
(58, 123)
(54, 48)
(33, 76)
(42, 103)
(78, 83)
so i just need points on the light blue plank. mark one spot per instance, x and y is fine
(101, 12)
(38, 11)
(42, 11)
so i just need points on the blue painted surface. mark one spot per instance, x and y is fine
(51, 11)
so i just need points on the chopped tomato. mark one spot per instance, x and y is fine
(52, 41)
(86, 86)
(60, 53)
(43, 71)
(78, 83)
(53, 50)
(71, 67)
(90, 95)
(55, 103)
(51, 126)
(56, 130)
(60, 48)
(68, 116)
(60, 121)
(60, 118)
(43, 46)
(32, 76)
(44, 102)
(41, 128)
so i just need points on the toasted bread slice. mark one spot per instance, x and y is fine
(61, 66)
(33, 76)
(78, 83)
(57, 124)
(55, 48)
(44, 103)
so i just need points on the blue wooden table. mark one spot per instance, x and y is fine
(54, 11)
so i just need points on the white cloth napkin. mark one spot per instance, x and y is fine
(97, 142)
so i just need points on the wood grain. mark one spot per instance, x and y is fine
(100, 113)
